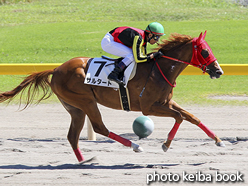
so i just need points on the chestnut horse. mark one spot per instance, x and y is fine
(80, 99)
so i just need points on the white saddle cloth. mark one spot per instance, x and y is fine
(100, 68)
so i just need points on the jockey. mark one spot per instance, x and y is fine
(130, 43)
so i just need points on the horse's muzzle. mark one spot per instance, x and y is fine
(214, 71)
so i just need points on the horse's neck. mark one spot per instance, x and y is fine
(174, 68)
(171, 69)
(179, 69)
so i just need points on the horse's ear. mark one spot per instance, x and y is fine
(199, 38)
(204, 35)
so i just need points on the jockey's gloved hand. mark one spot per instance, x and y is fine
(155, 55)
(158, 54)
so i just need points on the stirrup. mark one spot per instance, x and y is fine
(113, 76)
(115, 79)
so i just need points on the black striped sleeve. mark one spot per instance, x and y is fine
(139, 51)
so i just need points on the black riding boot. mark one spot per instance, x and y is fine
(113, 76)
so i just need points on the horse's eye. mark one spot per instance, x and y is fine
(204, 53)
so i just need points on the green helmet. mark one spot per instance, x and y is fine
(155, 28)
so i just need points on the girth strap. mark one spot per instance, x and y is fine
(124, 98)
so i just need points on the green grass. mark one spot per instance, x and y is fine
(54, 31)
(197, 89)
(58, 42)
(51, 11)
(2, 2)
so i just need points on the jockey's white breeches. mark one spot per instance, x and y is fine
(110, 46)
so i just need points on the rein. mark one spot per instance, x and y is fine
(155, 61)
(164, 75)
(192, 62)
(173, 59)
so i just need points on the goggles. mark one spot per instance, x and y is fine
(156, 37)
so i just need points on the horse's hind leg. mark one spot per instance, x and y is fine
(194, 120)
(96, 120)
(81, 108)
(77, 123)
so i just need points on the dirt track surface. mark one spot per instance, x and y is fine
(34, 149)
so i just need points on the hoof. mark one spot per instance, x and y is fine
(137, 148)
(164, 148)
(93, 160)
(220, 144)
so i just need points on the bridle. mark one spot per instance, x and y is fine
(197, 60)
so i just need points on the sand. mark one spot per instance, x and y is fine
(34, 149)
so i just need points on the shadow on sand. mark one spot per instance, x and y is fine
(92, 163)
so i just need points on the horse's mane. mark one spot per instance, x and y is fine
(174, 40)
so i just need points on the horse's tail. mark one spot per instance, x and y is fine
(34, 83)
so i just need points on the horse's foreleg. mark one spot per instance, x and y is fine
(170, 137)
(158, 109)
(211, 134)
(194, 120)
